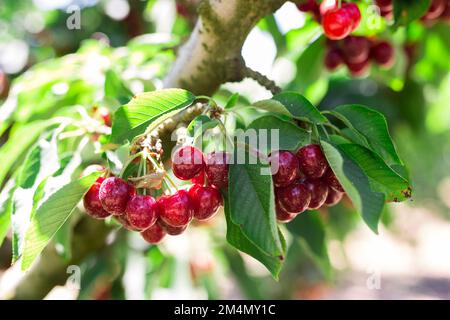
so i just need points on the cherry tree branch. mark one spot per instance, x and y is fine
(212, 55)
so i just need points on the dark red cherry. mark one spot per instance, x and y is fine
(355, 15)
(176, 210)
(154, 234)
(358, 69)
(312, 161)
(333, 59)
(319, 192)
(333, 197)
(384, 4)
(284, 167)
(199, 179)
(123, 220)
(114, 195)
(383, 54)
(217, 169)
(337, 23)
(356, 49)
(283, 216)
(142, 211)
(332, 181)
(187, 162)
(92, 203)
(435, 9)
(206, 201)
(171, 230)
(294, 198)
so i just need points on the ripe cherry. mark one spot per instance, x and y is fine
(327, 5)
(187, 162)
(319, 192)
(384, 4)
(312, 161)
(170, 230)
(114, 195)
(435, 9)
(358, 69)
(332, 181)
(176, 210)
(308, 6)
(123, 219)
(333, 197)
(206, 201)
(337, 23)
(199, 179)
(142, 211)
(356, 49)
(283, 216)
(354, 13)
(217, 169)
(92, 203)
(284, 167)
(383, 54)
(333, 59)
(294, 198)
(154, 234)
(445, 16)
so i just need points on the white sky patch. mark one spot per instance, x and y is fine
(288, 17)
(259, 51)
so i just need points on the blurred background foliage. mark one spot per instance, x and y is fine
(125, 47)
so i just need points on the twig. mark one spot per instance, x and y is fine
(262, 80)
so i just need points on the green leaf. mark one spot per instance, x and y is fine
(134, 118)
(51, 215)
(115, 87)
(254, 210)
(300, 107)
(309, 227)
(272, 106)
(201, 122)
(406, 11)
(381, 177)
(232, 101)
(356, 184)
(371, 125)
(237, 239)
(288, 136)
(6, 208)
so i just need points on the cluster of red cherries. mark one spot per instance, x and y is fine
(438, 10)
(169, 214)
(303, 181)
(357, 52)
(338, 20)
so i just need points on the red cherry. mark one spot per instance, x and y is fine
(383, 54)
(436, 8)
(123, 220)
(285, 165)
(356, 49)
(206, 201)
(337, 23)
(154, 234)
(114, 195)
(384, 4)
(182, 10)
(333, 197)
(199, 179)
(176, 210)
(294, 198)
(445, 16)
(312, 161)
(92, 203)
(187, 162)
(332, 181)
(358, 69)
(354, 13)
(142, 211)
(171, 230)
(327, 5)
(309, 5)
(319, 192)
(105, 115)
(283, 216)
(217, 169)
(333, 59)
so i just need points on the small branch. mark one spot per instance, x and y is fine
(262, 80)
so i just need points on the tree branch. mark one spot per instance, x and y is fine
(262, 80)
(212, 55)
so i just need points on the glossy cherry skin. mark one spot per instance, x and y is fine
(206, 201)
(142, 211)
(356, 49)
(187, 162)
(170, 230)
(154, 234)
(285, 168)
(199, 178)
(337, 23)
(319, 192)
(312, 161)
(114, 195)
(294, 198)
(355, 15)
(123, 220)
(92, 203)
(333, 197)
(333, 59)
(358, 69)
(332, 181)
(217, 169)
(176, 210)
(283, 216)
(383, 54)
